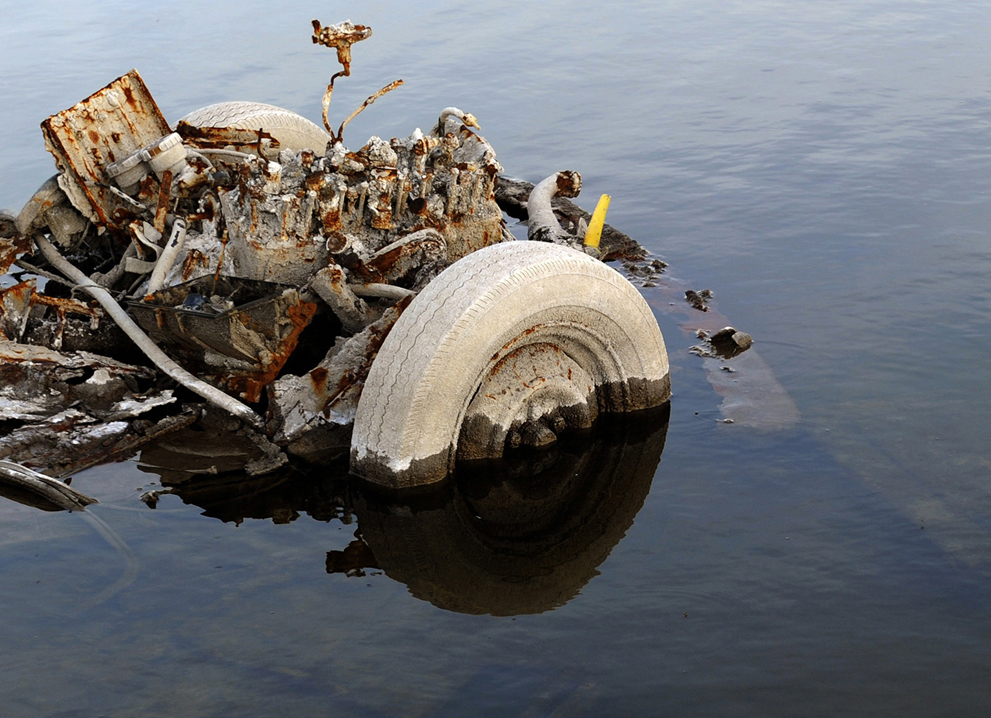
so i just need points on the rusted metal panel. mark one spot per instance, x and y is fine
(15, 305)
(219, 138)
(107, 126)
(235, 333)
(328, 394)
(17, 301)
(12, 243)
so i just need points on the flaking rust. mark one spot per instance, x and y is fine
(107, 126)
(253, 247)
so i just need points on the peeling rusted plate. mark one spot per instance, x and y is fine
(107, 126)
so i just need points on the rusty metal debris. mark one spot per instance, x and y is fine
(98, 145)
(342, 37)
(236, 332)
(245, 256)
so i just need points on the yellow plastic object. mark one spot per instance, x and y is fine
(594, 231)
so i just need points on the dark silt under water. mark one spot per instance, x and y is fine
(822, 167)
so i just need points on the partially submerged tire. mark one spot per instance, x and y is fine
(294, 132)
(505, 338)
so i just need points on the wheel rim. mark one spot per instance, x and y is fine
(531, 384)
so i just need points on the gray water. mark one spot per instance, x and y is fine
(821, 166)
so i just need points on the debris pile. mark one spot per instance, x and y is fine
(246, 255)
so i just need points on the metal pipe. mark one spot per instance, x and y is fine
(382, 291)
(168, 256)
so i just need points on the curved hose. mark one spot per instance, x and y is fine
(212, 394)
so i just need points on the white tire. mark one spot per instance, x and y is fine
(590, 336)
(294, 132)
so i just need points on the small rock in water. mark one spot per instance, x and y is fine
(742, 339)
(729, 335)
(697, 299)
(151, 498)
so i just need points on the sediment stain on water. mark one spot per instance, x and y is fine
(821, 167)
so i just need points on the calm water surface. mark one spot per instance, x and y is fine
(823, 167)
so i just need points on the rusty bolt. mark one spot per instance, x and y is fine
(342, 37)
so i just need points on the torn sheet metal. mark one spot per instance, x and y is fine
(67, 411)
(73, 440)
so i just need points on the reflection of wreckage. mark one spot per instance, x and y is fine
(369, 302)
(521, 537)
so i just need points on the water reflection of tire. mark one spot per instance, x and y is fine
(527, 537)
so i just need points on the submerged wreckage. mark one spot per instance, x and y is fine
(370, 302)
